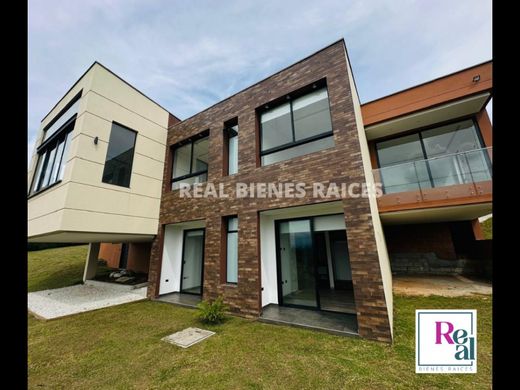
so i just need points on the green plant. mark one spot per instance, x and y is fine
(212, 312)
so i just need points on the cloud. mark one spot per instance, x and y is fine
(189, 55)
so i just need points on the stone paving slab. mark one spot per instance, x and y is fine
(50, 304)
(188, 337)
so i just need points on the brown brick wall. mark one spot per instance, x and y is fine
(339, 164)
(421, 238)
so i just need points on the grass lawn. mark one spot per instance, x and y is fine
(487, 228)
(120, 348)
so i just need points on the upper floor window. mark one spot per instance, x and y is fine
(190, 161)
(52, 153)
(440, 156)
(231, 249)
(120, 156)
(231, 146)
(300, 126)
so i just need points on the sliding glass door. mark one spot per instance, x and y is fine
(192, 261)
(297, 275)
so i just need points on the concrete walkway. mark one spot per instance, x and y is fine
(446, 286)
(49, 304)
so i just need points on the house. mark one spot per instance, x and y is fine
(122, 185)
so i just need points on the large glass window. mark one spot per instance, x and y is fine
(52, 157)
(190, 161)
(232, 249)
(231, 137)
(442, 156)
(300, 126)
(120, 156)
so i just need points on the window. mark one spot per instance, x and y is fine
(231, 249)
(190, 161)
(120, 156)
(231, 140)
(441, 156)
(298, 127)
(52, 153)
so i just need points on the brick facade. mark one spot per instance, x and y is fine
(341, 164)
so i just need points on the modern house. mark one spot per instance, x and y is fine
(287, 259)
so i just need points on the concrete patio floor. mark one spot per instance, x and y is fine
(446, 286)
(49, 304)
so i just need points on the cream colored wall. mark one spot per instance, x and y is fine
(84, 202)
(384, 261)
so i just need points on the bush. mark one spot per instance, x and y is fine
(212, 312)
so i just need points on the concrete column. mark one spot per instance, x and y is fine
(91, 263)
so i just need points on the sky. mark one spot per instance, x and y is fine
(188, 55)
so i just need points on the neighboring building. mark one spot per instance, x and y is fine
(430, 146)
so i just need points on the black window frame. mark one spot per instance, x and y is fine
(53, 142)
(228, 231)
(190, 140)
(229, 133)
(133, 155)
(419, 131)
(289, 98)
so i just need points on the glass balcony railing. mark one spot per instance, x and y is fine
(460, 174)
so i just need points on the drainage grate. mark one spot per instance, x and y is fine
(188, 337)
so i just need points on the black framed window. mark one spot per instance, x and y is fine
(299, 126)
(53, 151)
(190, 161)
(120, 156)
(231, 139)
(231, 249)
(439, 156)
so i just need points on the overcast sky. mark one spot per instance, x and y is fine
(188, 55)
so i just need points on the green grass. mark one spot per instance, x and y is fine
(487, 228)
(57, 267)
(120, 348)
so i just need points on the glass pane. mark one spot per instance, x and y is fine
(48, 167)
(399, 150)
(276, 127)
(55, 168)
(233, 155)
(193, 253)
(452, 138)
(190, 180)
(479, 165)
(36, 179)
(200, 155)
(405, 177)
(232, 257)
(311, 147)
(311, 114)
(181, 161)
(448, 170)
(120, 155)
(65, 156)
(61, 120)
(232, 224)
(297, 277)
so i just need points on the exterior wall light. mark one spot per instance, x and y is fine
(96, 140)
(476, 78)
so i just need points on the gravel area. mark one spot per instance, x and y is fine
(446, 286)
(49, 304)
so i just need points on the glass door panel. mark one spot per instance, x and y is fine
(297, 275)
(192, 260)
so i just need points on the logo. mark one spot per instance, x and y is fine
(446, 341)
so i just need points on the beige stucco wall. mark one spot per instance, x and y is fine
(82, 202)
(384, 261)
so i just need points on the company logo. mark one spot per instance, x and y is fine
(445, 341)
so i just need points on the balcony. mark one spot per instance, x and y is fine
(446, 180)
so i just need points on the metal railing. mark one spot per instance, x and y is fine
(462, 170)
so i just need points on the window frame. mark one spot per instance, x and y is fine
(133, 155)
(54, 140)
(191, 140)
(226, 220)
(419, 131)
(289, 98)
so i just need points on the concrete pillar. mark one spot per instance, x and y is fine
(91, 263)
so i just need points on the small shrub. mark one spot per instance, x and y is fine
(212, 312)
